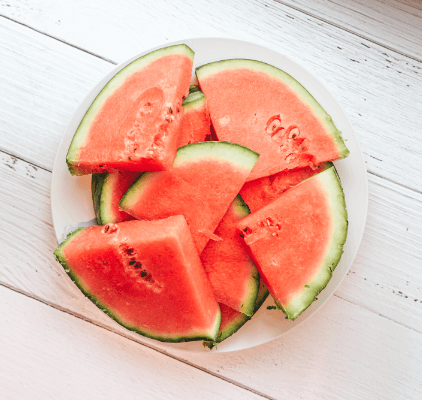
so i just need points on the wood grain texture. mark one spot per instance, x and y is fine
(380, 90)
(343, 352)
(52, 355)
(393, 23)
(389, 261)
(42, 81)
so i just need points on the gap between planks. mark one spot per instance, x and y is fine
(88, 320)
(312, 15)
(59, 40)
(374, 312)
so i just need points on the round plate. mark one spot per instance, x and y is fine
(72, 207)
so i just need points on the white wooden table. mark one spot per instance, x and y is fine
(365, 343)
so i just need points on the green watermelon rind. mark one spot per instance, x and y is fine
(241, 320)
(109, 88)
(263, 293)
(98, 183)
(233, 152)
(225, 151)
(194, 100)
(60, 257)
(214, 67)
(230, 330)
(193, 89)
(301, 302)
(248, 306)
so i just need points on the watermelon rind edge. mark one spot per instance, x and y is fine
(194, 100)
(235, 63)
(60, 257)
(239, 322)
(261, 297)
(97, 184)
(248, 306)
(232, 152)
(333, 186)
(114, 82)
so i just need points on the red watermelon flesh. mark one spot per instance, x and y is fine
(265, 109)
(146, 275)
(232, 274)
(204, 181)
(297, 240)
(133, 123)
(107, 190)
(196, 122)
(262, 191)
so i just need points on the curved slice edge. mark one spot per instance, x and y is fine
(332, 184)
(235, 153)
(239, 320)
(237, 63)
(263, 293)
(110, 87)
(105, 189)
(60, 257)
(194, 100)
(253, 286)
(97, 183)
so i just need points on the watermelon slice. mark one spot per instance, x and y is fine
(232, 320)
(232, 274)
(108, 189)
(196, 122)
(265, 109)
(262, 191)
(146, 275)
(133, 123)
(297, 240)
(204, 181)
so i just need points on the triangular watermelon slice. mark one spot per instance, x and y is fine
(204, 180)
(109, 188)
(262, 191)
(265, 109)
(146, 275)
(297, 240)
(232, 274)
(133, 123)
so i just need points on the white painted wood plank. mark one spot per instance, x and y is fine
(387, 263)
(396, 24)
(380, 90)
(42, 81)
(343, 352)
(393, 23)
(48, 354)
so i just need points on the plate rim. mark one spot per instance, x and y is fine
(93, 92)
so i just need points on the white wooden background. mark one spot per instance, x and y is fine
(366, 343)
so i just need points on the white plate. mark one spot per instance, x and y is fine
(72, 205)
